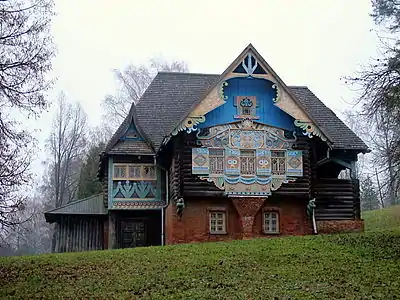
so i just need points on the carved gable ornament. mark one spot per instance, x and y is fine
(246, 158)
(250, 65)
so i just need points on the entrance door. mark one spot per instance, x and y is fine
(133, 233)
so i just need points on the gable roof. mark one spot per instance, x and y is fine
(92, 205)
(169, 97)
(117, 146)
(172, 95)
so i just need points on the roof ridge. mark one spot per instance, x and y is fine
(187, 73)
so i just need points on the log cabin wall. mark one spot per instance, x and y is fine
(175, 169)
(79, 234)
(336, 199)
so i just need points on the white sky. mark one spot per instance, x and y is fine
(307, 42)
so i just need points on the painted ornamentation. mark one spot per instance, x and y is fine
(310, 129)
(246, 158)
(198, 115)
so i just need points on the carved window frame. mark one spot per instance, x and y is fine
(216, 161)
(217, 214)
(248, 159)
(269, 216)
(145, 172)
(278, 162)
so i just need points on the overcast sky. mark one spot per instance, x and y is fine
(308, 42)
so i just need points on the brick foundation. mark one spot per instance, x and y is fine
(244, 219)
(342, 226)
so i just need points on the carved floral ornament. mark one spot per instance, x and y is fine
(246, 158)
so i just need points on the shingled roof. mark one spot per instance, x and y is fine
(168, 99)
(117, 146)
(171, 96)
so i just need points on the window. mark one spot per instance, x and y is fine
(247, 162)
(216, 161)
(134, 172)
(120, 171)
(217, 222)
(271, 222)
(247, 106)
(278, 162)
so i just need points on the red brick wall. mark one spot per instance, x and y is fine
(193, 226)
(292, 217)
(341, 226)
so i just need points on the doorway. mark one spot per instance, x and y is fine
(139, 228)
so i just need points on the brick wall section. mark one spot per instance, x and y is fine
(194, 224)
(292, 217)
(247, 209)
(342, 226)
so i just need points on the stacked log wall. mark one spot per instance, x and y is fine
(337, 199)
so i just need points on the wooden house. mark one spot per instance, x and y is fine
(204, 157)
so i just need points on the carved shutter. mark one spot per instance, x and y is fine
(200, 161)
(294, 163)
(263, 162)
(232, 161)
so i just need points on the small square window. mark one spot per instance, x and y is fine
(217, 222)
(271, 222)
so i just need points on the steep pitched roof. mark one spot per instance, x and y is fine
(172, 95)
(92, 205)
(168, 98)
(117, 146)
(342, 136)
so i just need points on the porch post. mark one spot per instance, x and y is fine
(112, 239)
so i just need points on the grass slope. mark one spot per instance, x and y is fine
(353, 266)
(386, 218)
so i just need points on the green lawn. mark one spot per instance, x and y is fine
(353, 266)
(386, 218)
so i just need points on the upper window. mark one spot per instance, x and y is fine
(271, 222)
(246, 107)
(216, 161)
(278, 162)
(217, 222)
(134, 172)
(247, 162)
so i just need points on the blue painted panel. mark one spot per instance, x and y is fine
(132, 134)
(267, 112)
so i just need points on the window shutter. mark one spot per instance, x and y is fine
(294, 163)
(232, 161)
(263, 157)
(200, 161)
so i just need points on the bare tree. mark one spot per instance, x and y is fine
(380, 132)
(133, 82)
(67, 145)
(26, 50)
(32, 235)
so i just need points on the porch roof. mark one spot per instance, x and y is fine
(92, 205)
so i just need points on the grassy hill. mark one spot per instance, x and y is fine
(386, 218)
(353, 266)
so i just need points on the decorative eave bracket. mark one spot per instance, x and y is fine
(215, 99)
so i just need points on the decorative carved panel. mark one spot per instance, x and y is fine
(258, 158)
